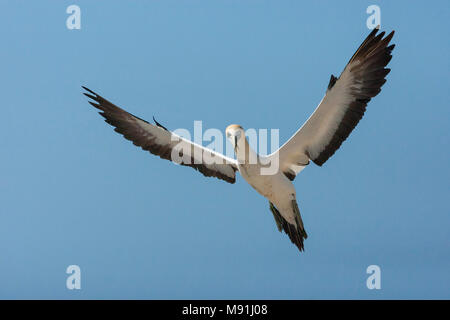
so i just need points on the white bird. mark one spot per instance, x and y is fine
(320, 136)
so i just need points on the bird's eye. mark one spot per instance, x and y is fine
(228, 134)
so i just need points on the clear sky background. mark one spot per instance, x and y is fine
(72, 191)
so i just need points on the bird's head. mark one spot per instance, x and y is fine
(235, 133)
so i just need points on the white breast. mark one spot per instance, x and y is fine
(267, 185)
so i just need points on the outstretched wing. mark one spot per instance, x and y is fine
(159, 141)
(342, 107)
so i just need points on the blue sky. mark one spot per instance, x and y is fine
(72, 191)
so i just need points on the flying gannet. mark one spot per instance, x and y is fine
(320, 136)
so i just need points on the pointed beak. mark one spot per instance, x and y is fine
(235, 143)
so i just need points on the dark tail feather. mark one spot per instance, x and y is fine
(297, 233)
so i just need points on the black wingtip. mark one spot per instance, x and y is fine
(88, 90)
(389, 36)
(374, 31)
(89, 96)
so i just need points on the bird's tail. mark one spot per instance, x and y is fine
(296, 232)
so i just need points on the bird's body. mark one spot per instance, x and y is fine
(317, 140)
(276, 187)
(280, 192)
